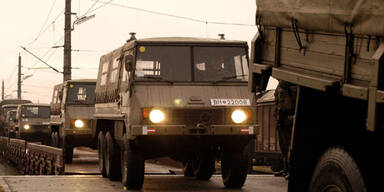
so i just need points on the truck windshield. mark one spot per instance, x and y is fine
(6, 109)
(220, 63)
(35, 112)
(12, 115)
(174, 63)
(170, 63)
(81, 94)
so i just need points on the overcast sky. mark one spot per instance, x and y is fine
(30, 23)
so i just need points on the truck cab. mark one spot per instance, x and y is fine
(185, 98)
(10, 121)
(32, 122)
(5, 106)
(72, 109)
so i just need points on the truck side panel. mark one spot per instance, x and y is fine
(323, 54)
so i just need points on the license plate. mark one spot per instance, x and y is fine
(230, 102)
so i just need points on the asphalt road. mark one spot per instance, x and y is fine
(254, 183)
(83, 175)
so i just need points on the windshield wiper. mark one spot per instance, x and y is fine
(157, 78)
(230, 77)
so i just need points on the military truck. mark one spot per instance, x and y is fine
(72, 109)
(332, 53)
(11, 105)
(185, 98)
(10, 120)
(33, 122)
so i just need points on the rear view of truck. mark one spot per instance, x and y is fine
(332, 51)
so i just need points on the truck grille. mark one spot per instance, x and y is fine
(196, 116)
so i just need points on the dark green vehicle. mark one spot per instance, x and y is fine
(5, 106)
(185, 98)
(329, 59)
(10, 121)
(72, 109)
(33, 122)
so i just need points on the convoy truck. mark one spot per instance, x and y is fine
(9, 127)
(32, 122)
(5, 106)
(72, 109)
(185, 98)
(332, 53)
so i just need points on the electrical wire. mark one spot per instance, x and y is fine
(98, 1)
(49, 14)
(45, 29)
(89, 9)
(168, 15)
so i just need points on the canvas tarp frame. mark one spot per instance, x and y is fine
(365, 16)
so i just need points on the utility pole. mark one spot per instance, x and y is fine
(19, 80)
(67, 41)
(2, 91)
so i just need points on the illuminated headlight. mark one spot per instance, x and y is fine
(26, 127)
(79, 123)
(156, 116)
(239, 116)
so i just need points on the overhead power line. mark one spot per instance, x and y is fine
(49, 14)
(45, 29)
(169, 15)
(40, 59)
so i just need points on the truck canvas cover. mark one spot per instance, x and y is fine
(366, 16)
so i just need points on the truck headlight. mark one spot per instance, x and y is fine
(156, 116)
(26, 127)
(238, 116)
(79, 123)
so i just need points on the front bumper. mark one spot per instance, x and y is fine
(138, 130)
(78, 131)
(34, 136)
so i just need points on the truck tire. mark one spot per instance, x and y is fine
(132, 169)
(188, 169)
(337, 171)
(53, 142)
(234, 167)
(204, 167)
(100, 145)
(112, 158)
(68, 156)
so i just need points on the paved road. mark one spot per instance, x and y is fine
(83, 175)
(254, 183)
(85, 162)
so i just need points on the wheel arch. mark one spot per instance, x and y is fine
(323, 120)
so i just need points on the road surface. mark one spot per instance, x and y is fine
(83, 175)
(254, 183)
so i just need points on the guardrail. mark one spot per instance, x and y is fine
(32, 158)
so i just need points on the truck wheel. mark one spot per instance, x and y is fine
(204, 167)
(100, 145)
(112, 158)
(132, 169)
(234, 168)
(188, 169)
(54, 139)
(337, 171)
(68, 154)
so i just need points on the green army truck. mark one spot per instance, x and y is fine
(33, 122)
(5, 106)
(72, 109)
(331, 54)
(185, 98)
(10, 120)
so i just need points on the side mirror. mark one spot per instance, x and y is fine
(60, 95)
(128, 62)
